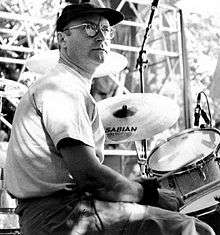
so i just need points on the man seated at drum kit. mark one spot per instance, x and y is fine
(53, 164)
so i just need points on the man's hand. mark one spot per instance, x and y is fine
(150, 190)
(169, 200)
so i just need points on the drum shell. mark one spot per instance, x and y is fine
(8, 220)
(196, 150)
(9, 223)
(192, 177)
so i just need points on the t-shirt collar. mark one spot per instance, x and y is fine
(87, 82)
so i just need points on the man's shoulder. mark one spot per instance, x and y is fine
(57, 76)
(58, 81)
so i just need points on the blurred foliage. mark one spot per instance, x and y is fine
(203, 44)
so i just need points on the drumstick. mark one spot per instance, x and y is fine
(200, 189)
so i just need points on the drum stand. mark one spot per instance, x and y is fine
(142, 160)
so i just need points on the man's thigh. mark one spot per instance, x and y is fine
(132, 218)
(67, 217)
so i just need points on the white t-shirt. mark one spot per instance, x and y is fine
(34, 166)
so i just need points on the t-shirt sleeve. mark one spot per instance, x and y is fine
(65, 116)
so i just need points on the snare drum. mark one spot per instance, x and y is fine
(197, 146)
(9, 221)
(9, 224)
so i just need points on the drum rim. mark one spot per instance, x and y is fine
(190, 167)
(203, 211)
(202, 194)
(7, 210)
(193, 165)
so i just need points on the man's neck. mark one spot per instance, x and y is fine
(87, 74)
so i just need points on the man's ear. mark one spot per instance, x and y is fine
(61, 39)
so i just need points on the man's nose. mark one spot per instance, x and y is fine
(101, 35)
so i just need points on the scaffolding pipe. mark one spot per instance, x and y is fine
(184, 67)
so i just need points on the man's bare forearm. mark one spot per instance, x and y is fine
(100, 180)
(107, 184)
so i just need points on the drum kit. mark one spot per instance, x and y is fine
(187, 163)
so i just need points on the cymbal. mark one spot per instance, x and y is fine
(43, 62)
(113, 64)
(136, 116)
(10, 88)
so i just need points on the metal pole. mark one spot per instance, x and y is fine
(187, 99)
(140, 63)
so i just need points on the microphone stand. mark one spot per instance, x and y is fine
(142, 161)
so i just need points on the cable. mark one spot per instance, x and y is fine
(96, 212)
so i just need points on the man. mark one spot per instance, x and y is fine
(55, 152)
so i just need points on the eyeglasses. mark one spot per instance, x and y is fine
(93, 29)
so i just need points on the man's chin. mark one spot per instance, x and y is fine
(100, 56)
(101, 59)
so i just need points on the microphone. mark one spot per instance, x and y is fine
(197, 111)
(154, 3)
(205, 117)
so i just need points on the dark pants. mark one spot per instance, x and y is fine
(68, 215)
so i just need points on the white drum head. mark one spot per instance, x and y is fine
(186, 148)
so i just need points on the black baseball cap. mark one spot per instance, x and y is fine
(74, 11)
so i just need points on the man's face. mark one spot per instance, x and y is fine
(83, 50)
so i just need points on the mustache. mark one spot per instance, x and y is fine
(102, 49)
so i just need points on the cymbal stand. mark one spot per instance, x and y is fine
(142, 160)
